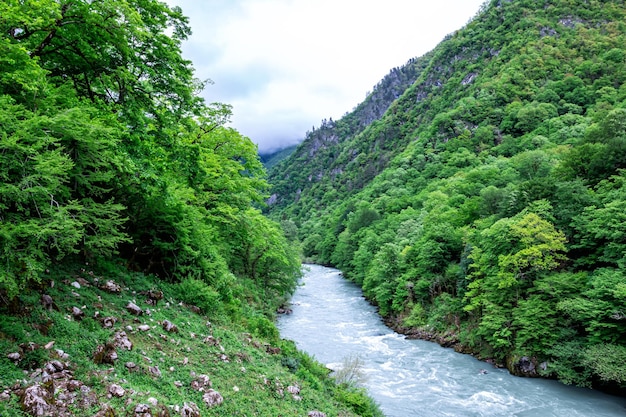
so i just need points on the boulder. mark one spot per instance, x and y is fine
(523, 366)
(112, 287)
(168, 326)
(212, 398)
(121, 340)
(190, 410)
(284, 310)
(133, 308)
(36, 401)
(116, 390)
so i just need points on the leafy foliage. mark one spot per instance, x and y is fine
(108, 151)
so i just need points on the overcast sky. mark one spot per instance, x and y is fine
(284, 65)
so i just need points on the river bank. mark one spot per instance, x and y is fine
(519, 366)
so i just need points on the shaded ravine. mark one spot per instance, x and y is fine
(331, 321)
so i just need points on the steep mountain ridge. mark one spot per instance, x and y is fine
(317, 156)
(488, 49)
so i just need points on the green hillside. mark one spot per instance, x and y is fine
(485, 208)
(113, 169)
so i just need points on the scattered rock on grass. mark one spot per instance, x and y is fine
(108, 322)
(154, 296)
(121, 340)
(134, 309)
(201, 382)
(211, 341)
(116, 391)
(48, 303)
(35, 401)
(190, 410)
(142, 410)
(168, 326)
(105, 354)
(112, 287)
(212, 398)
(154, 370)
(77, 313)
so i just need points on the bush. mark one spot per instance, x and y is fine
(358, 401)
(351, 372)
(607, 361)
(416, 318)
(200, 294)
(263, 327)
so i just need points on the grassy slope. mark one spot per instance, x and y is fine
(252, 381)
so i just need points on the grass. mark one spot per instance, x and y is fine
(249, 366)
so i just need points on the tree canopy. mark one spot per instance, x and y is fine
(107, 151)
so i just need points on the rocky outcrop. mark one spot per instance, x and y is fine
(525, 366)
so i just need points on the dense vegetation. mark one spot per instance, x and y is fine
(110, 161)
(486, 207)
(107, 149)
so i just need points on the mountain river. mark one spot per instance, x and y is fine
(332, 321)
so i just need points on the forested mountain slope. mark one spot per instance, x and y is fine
(485, 208)
(321, 155)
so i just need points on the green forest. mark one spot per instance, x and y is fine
(108, 151)
(486, 207)
(120, 183)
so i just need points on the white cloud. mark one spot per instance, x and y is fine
(285, 65)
